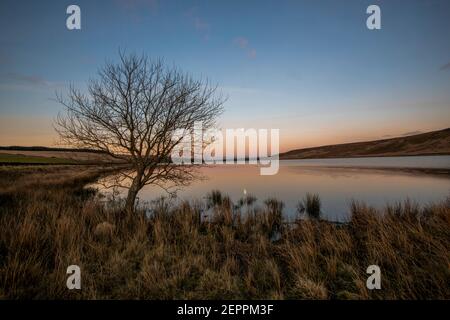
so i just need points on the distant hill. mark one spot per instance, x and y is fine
(430, 143)
(19, 154)
(39, 148)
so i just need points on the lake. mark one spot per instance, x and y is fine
(337, 181)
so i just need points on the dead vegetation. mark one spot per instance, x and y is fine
(48, 222)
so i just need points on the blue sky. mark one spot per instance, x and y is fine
(310, 68)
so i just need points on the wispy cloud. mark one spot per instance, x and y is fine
(244, 44)
(19, 79)
(5, 59)
(138, 9)
(445, 67)
(241, 42)
(199, 24)
(27, 79)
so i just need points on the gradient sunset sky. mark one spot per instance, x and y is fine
(310, 68)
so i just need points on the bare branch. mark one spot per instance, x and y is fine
(130, 112)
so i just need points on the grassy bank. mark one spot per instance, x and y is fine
(26, 159)
(48, 222)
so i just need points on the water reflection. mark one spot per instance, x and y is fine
(336, 186)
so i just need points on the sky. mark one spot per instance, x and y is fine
(309, 68)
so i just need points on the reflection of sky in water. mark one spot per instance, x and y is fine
(404, 162)
(336, 186)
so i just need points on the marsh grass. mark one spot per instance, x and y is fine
(311, 205)
(48, 221)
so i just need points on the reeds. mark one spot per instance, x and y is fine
(171, 252)
(311, 205)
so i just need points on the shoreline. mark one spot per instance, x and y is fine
(368, 156)
(412, 170)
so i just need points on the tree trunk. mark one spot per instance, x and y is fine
(132, 194)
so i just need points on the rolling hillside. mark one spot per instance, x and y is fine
(44, 155)
(430, 143)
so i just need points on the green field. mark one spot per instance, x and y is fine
(24, 159)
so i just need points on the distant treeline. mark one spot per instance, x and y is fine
(39, 148)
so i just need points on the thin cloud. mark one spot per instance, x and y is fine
(199, 24)
(19, 79)
(445, 67)
(5, 59)
(251, 53)
(27, 79)
(136, 10)
(244, 44)
(241, 42)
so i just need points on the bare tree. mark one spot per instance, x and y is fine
(131, 112)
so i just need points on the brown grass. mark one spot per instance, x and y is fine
(48, 222)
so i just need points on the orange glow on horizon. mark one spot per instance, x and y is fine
(38, 131)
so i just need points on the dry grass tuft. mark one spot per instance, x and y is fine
(48, 221)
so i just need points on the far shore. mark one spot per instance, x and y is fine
(444, 172)
(433, 171)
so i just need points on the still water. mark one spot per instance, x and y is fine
(337, 181)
